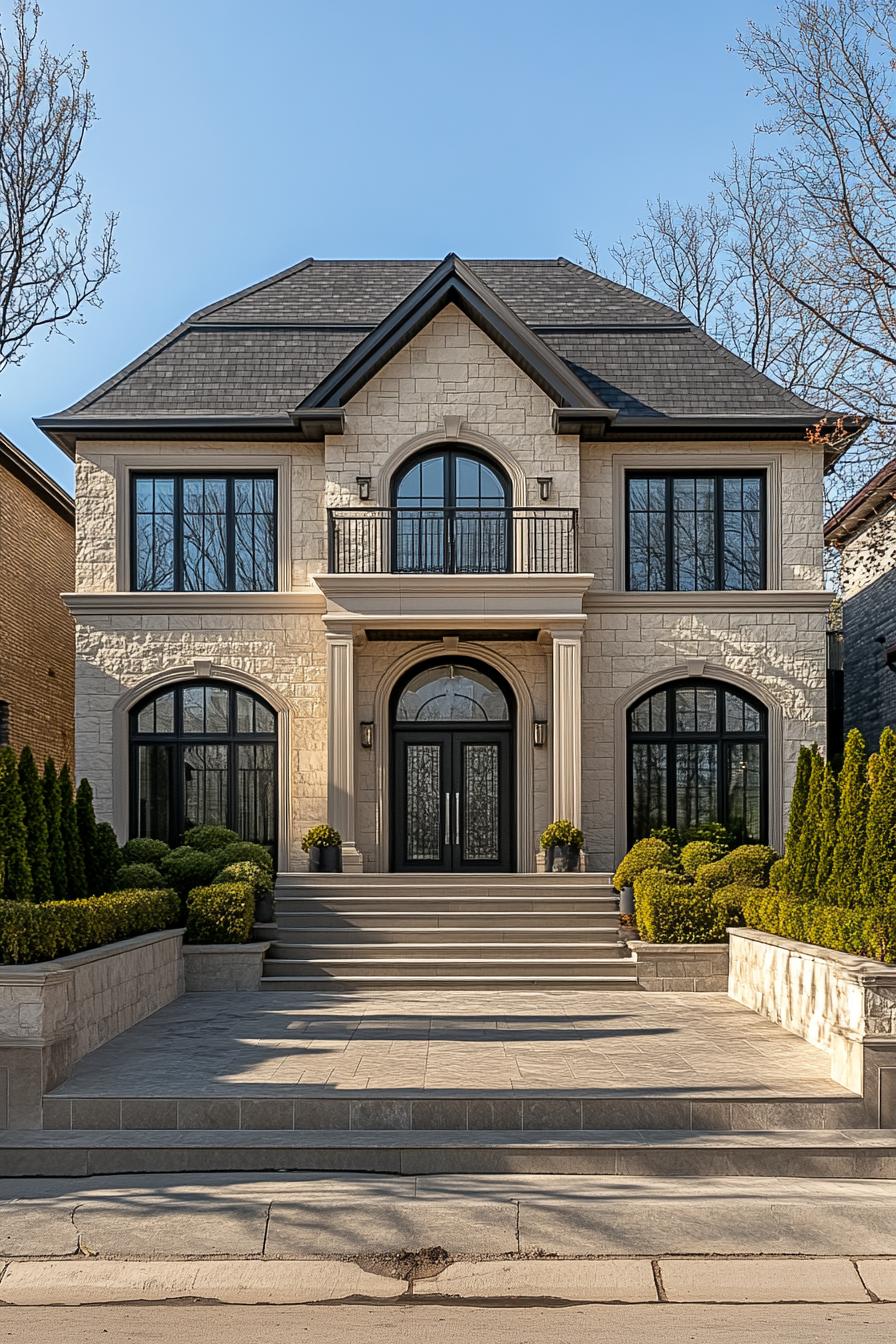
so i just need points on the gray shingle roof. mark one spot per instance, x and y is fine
(260, 352)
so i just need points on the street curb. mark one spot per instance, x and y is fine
(763, 1280)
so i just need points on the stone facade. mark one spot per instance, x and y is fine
(681, 968)
(37, 649)
(451, 383)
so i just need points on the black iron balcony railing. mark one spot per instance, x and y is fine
(452, 541)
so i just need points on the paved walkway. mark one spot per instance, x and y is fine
(695, 1045)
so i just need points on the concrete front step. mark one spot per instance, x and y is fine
(460, 882)
(857, 1154)
(358, 937)
(457, 1111)
(417, 901)
(318, 950)
(475, 979)
(405, 962)
(480, 922)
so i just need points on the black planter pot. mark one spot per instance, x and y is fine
(325, 859)
(562, 858)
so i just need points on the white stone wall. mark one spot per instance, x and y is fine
(868, 555)
(451, 368)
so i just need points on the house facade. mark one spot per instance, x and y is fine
(864, 532)
(439, 552)
(37, 647)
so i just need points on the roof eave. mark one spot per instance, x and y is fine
(66, 430)
(37, 480)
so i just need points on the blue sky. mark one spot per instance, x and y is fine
(236, 138)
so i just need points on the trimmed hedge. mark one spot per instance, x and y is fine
(142, 849)
(221, 913)
(671, 909)
(244, 851)
(185, 868)
(699, 852)
(251, 873)
(138, 877)
(32, 932)
(748, 865)
(865, 931)
(210, 838)
(643, 855)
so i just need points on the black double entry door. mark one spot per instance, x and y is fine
(451, 804)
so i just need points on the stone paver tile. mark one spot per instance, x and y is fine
(38, 1228)
(880, 1277)
(569, 1281)
(761, 1280)
(82, 1282)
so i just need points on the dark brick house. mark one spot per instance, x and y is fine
(864, 532)
(37, 645)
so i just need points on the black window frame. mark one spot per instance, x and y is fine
(671, 736)
(719, 477)
(179, 740)
(178, 477)
(449, 517)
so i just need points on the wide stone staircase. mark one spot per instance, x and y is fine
(514, 931)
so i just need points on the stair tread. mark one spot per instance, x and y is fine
(534, 980)
(725, 1140)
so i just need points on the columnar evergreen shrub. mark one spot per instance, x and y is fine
(71, 840)
(830, 808)
(15, 870)
(798, 798)
(35, 826)
(86, 820)
(844, 883)
(803, 860)
(107, 859)
(879, 861)
(52, 804)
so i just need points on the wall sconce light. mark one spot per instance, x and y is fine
(363, 487)
(540, 734)
(367, 735)
(545, 484)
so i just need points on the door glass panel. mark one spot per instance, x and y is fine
(744, 785)
(696, 781)
(648, 786)
(423, 802)
(452, 693)
(154, 792)
(481, 793)
(255, 792)
(205, 785)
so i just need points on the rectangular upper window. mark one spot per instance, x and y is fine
(203, 532)
(695, 531)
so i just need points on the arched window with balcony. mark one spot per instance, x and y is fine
(698, 753)
(452, 514)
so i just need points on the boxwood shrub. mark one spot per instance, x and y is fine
(865, 931)
(221, 913)
(258, 878)
(210, 838)
(30, 932)
(138, 876)
(747, 865)
(243, 851)
(144, 850)
(669, 908)
(185, 867)
(643, 855)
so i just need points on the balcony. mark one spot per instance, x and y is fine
(424, 541)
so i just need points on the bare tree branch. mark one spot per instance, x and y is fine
(51, 262)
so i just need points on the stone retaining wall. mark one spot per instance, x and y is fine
(682, 968)
(223, 967)
(846, 1005)
(54, 1012)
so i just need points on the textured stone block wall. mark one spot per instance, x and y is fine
(682, 968)
(869, 685)
(37, 644)
(117, 986)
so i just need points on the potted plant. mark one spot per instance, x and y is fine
(562, 844)
(323, 846)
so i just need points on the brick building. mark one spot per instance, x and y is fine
(864, 532)
(37, 637)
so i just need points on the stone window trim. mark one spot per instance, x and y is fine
(712, 459)
(202, 669)
(201, 460)
(688, 670)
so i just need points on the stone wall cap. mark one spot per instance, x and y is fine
(192, 949)
(36, 972)
(864, 970)
(678, 949)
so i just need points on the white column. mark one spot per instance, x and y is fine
(567, 726)
(341, 743)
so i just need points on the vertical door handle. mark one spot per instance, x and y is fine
(447, 818)
(457, 818)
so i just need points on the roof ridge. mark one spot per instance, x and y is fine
(250, 289)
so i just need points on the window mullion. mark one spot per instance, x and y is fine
(230, 534)
(719, 530)
(670, 543)
(179, 535)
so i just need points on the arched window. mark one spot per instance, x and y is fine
(452, 514)
(454, 693)
(698, 752)
(203, 752)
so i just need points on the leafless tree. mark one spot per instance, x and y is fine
(52, 261)
(794, 262)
